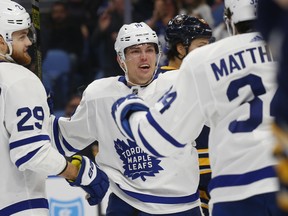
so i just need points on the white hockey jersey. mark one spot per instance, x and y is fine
(26, 155)
(150, 184)
(231, 85)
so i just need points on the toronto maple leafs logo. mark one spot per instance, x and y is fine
(136, 162)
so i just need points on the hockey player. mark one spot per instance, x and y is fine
(26, 155)
(184, 34)
(140, 184)
(231, 86)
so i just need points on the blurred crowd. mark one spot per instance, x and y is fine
(77, 36)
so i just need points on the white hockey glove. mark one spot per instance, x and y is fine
(122, 110)
(90, 178)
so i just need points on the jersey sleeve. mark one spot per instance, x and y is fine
(174, 121)
(70, 135)
(26, 122)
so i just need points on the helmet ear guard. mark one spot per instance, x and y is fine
(228, 22)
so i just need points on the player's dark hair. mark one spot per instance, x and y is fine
(172, 51)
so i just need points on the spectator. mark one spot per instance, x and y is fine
(164, 10)
(198, 8)
(103, 39)
(64, 32)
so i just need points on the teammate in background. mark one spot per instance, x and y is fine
(184, 34)
(26, 154)
(230, 85)
(272, 23)
(140, 184)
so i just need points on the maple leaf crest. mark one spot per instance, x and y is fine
(136, 162)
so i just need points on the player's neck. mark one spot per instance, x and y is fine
(175, 63)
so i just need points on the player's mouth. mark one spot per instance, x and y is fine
(144, 67)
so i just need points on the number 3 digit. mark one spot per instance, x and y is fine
(256, 105)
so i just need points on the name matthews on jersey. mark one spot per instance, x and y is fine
(237, 61)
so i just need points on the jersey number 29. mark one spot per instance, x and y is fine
(37, 113)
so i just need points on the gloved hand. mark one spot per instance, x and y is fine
(281, 152)
(123, 108)
(93, 180)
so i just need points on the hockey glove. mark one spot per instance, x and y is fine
(122, 110)
(90, 178)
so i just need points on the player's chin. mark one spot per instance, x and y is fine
(24, 60)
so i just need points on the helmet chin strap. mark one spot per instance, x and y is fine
(230, 27)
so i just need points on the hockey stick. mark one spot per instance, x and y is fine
(37, 51)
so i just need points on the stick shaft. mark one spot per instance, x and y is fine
(37, 51)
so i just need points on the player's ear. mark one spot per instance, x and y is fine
(3, 45)
(181, 50)
(2, 41)
(120, 62)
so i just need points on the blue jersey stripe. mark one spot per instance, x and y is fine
(29, 140)
(162, 132)
(69, 147)
(147, 145)
(57, 140)
(27, 157)
(56, 136)
(24, 205)
(162, 200)
(242, 179)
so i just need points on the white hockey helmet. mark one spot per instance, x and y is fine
(242, 10)
(133, 34)
(238, 11)
(13, 17)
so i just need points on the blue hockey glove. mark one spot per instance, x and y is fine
(90, 178)
(122, 110)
